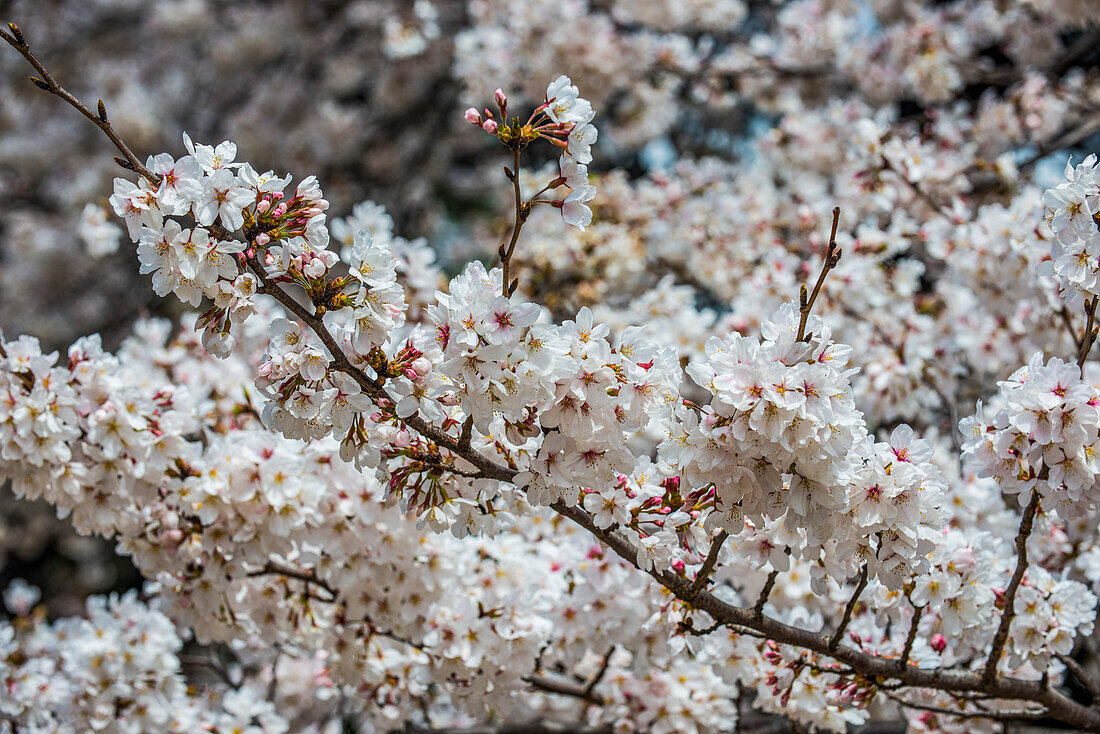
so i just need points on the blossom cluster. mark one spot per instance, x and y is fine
(1075, 249)
(1040, 436)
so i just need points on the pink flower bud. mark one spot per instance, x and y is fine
(678, 566)
(262, 239)
(421, 366)
(489, 126)
(174, 536)
(401, 439)
(938, 642)
(263, 206)
(500, 98)
(473, 116)
(410, 373)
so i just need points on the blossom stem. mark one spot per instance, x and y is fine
(508, 286)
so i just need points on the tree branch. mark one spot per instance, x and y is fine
(99, 118)
(999, 640)
(839, 634)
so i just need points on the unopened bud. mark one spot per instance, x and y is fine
(501, 99)
(473, 116)
(938, 642)
(489, 126)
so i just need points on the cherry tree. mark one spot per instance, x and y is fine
(684, 452)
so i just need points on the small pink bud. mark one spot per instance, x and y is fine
(401, 439)
(262, 238)
(410, 373)
(500, 98)
(489, 126)
(938, 642)
(421, 366)
(174, 536)
(473, 116)
(263, 206)
(678, 566)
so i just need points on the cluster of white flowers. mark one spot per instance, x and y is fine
(248, 491)
(1042, 435)
(115, 671)
(1075, 249)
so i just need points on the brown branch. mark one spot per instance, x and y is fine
(47, 83)
(1088, 338)
(590, 689)
(910, 638)
(703, 575)
(1001, 637)
(849, 609)
(1081, 675)
(867, 665)
(832, 257)
(758, 608)
(563, 688)
(982, 714)
(309, 577)
(507, 286)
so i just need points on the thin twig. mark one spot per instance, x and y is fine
(1088, 338)
(1001, 637)
(507, 287)
(1081, 675)
(910, 638)
(839, 634)
(47, 83)
(590, 689)
(563, 688)
(832, 257)
(758, 608)
(703, 575)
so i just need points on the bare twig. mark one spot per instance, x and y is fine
(832, 257)
(590, 689)
(1009, 611)
(563, 688)
(1088, 338)
(910, 638)
(47, 83)
(1081, 675)
(758, 608)
(308, 576)
(701, 578)
(848, 609)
